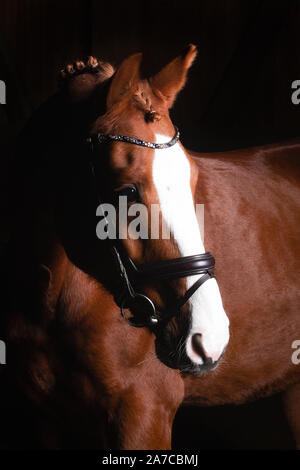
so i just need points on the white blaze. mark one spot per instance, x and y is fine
(171, 175)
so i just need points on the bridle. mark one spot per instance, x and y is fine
(133, 277)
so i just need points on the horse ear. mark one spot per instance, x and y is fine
(125, 79)
(171, 79)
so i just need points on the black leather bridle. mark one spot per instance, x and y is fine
(133, 277)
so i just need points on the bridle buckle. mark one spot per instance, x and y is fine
(142, 309)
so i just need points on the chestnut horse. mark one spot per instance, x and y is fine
(93, 378)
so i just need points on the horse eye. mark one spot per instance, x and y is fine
(130, 192)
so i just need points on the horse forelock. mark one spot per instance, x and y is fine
(144, 102)
(140, 100)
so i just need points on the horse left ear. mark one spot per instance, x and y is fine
(171, 79)
(125, 79)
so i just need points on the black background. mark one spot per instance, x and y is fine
(238, 95)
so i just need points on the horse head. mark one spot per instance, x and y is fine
(123, 119)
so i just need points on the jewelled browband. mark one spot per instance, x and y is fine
(103, 138)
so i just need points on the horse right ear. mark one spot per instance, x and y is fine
(125, 79)
(171, 79)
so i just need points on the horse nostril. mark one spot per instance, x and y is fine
(198, 348)
(197, 344)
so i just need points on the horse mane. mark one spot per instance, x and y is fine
(70, 106)
(79, 102)
(82, 77)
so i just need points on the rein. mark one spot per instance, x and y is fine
(132, 277)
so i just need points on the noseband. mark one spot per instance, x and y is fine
(133, 278)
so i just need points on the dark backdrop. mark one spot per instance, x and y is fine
(239, 88)
(238, 94)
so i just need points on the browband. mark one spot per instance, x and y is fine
(103, 138)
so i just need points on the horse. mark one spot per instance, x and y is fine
(106, 339)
